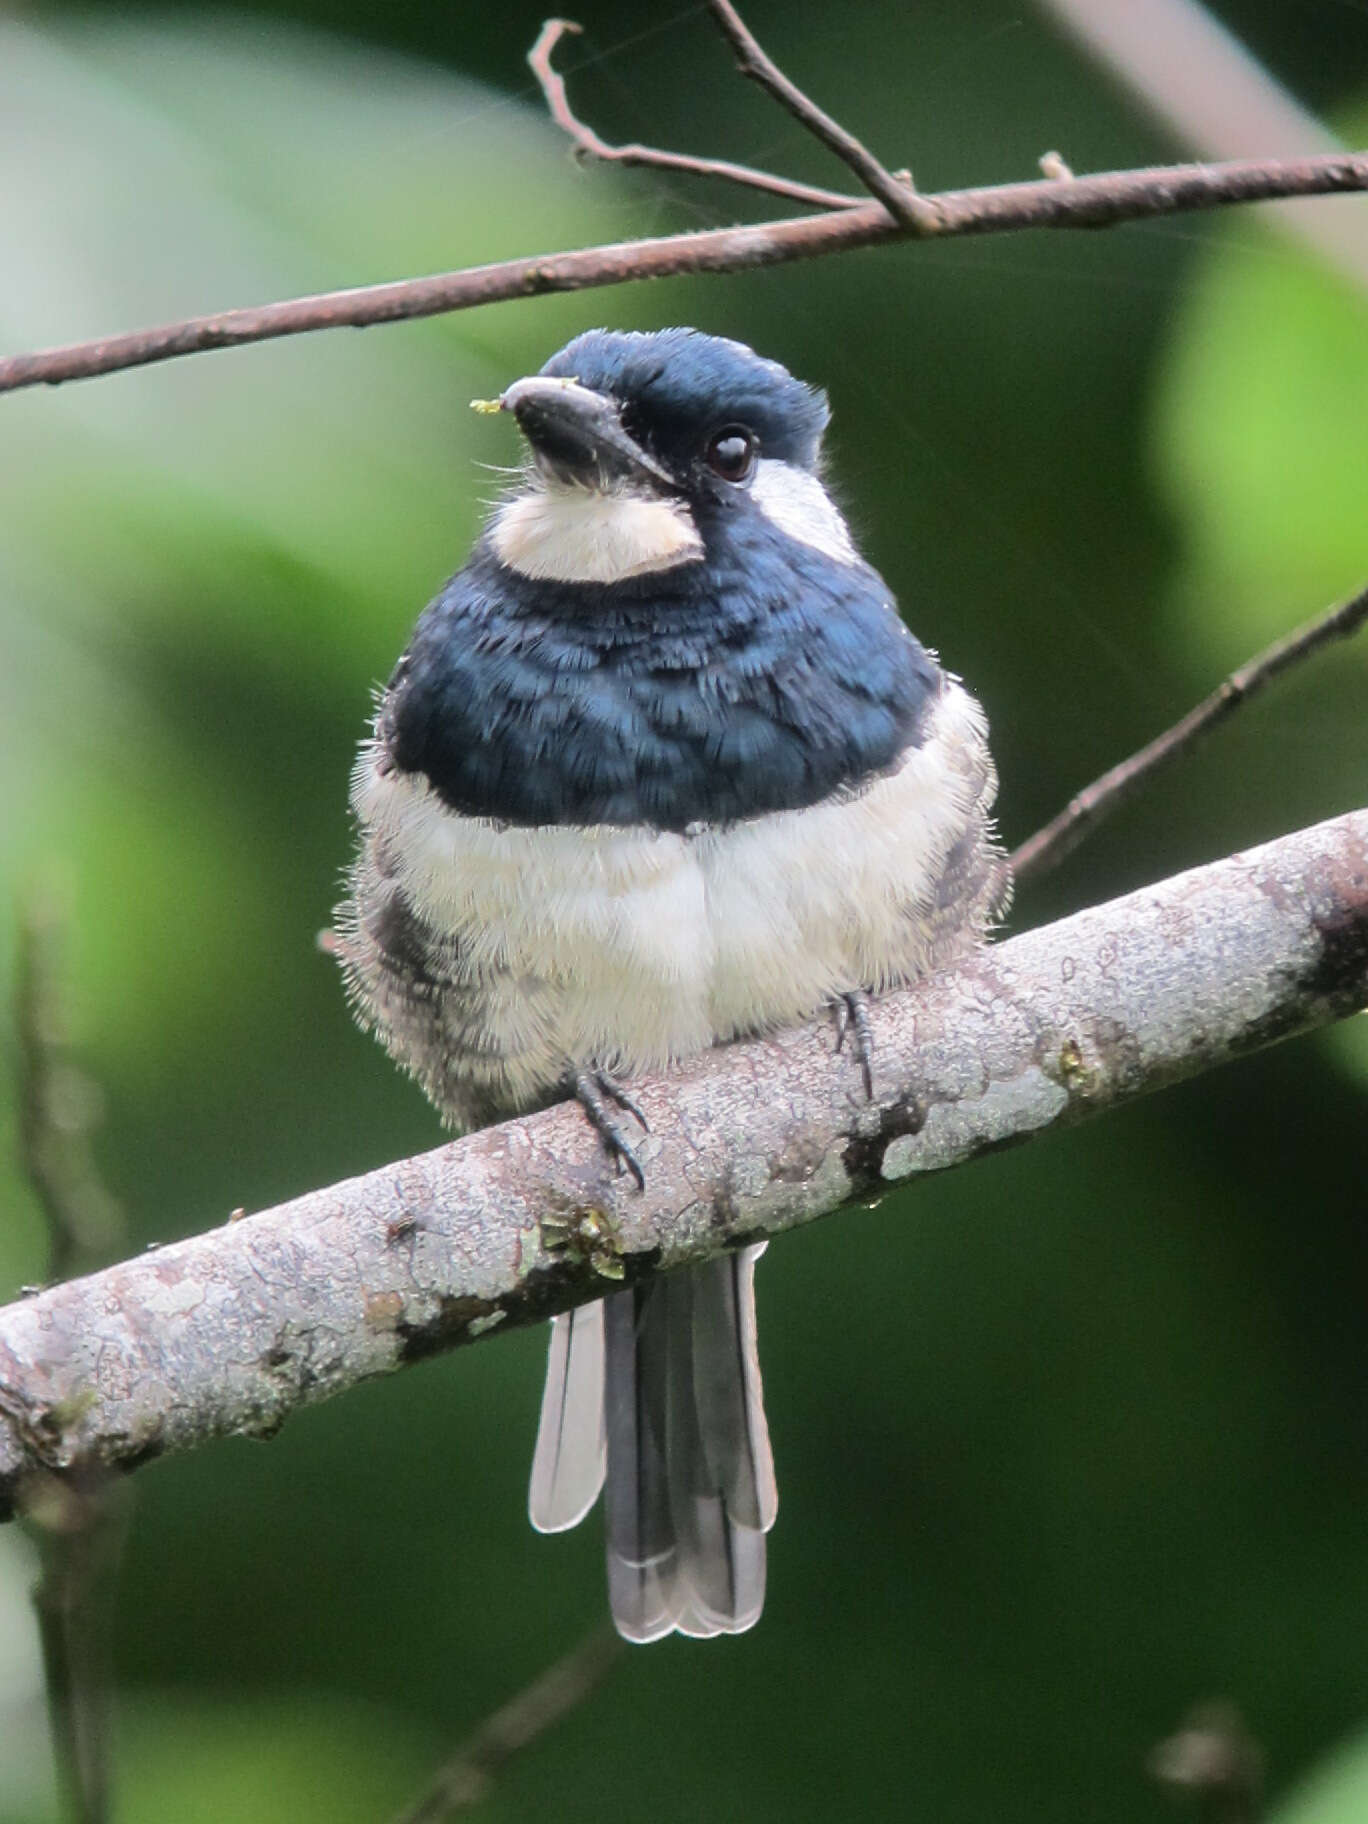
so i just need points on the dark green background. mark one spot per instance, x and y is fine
(1066, 1441)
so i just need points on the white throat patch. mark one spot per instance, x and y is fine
(800, 506)
(574, 535)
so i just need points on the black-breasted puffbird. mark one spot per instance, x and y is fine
(660, 766)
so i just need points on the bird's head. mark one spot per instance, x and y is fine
(646, 446)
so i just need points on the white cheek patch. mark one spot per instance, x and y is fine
(576, 536)
(798, 504)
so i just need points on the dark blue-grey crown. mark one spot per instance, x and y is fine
(674, 384)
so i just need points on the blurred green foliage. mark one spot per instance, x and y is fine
(1336, 1793)
(1067, 1441)
(1262, 445)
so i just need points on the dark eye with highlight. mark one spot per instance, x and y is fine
(731, 452)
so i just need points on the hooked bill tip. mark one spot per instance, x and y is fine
(510, 398)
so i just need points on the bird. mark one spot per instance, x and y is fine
(660, 767)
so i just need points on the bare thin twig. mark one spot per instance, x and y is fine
(58, 1104)
(80, 1521)
(552, 1695)
(1062, 834)
(588, 142)
(1087, 202)
(80, 1518)
(508, 1225)
(913, 213)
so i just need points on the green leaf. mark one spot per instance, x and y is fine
(1260, 444)
(311, 1759)
(1335, 1792)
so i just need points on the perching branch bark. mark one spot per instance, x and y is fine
(231, 1330)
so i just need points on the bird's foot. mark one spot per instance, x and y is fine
(852, 1016)
(594, 1090)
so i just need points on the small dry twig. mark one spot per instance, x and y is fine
(59, 1105)
(552, 1695)
(79, 1519)
(1062, 834)
(588, 142)
(914, 213)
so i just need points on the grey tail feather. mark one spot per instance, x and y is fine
(568, 1463)
(690, 1482)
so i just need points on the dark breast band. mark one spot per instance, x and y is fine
(767, 678)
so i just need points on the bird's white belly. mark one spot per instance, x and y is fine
(635, 947)
(806, 905)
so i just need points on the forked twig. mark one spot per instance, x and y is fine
(1096, 201)
(913, 212)
(588, 142)
(1049, 846)
(59, 1106)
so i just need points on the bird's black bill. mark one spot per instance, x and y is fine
(577, 435)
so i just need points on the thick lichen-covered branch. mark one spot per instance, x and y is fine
(230, 1331)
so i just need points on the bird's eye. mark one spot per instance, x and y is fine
(731, 453)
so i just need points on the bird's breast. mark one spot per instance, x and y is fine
(639, 945)
(763, 680)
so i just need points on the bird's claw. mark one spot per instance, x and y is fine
(594, 1089)
(852, 1016)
